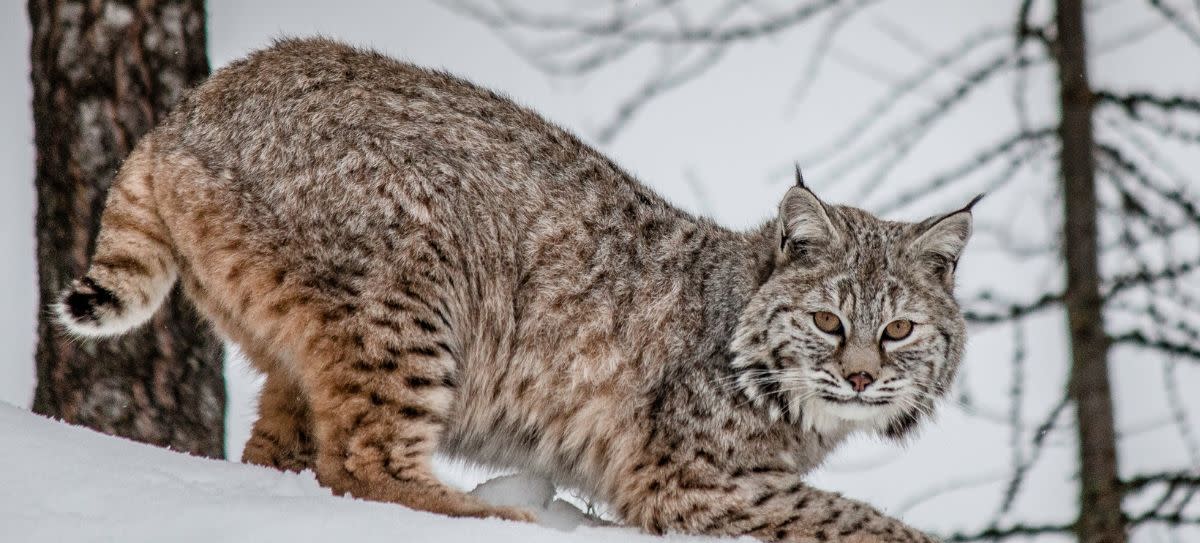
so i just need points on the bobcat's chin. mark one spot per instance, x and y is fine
(830, 416)
(856, 410)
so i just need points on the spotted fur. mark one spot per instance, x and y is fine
(420, 265)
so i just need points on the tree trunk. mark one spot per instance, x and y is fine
(1100, 518)
(104, 72)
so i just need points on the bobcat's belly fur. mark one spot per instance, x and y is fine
(420, 265)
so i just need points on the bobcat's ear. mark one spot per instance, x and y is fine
(804, 223)
(941, 241)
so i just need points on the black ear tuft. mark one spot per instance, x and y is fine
(800, 177)
(970, 205)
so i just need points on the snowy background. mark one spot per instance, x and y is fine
(718, 145)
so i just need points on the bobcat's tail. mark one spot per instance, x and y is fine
(133, 267)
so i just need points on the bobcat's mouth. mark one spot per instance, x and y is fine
(855, 400)
(855, 407)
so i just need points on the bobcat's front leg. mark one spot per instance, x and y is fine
(802, 513)
(767, 506)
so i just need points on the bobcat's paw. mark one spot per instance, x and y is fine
(518, 514)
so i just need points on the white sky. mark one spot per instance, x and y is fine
(732, 131)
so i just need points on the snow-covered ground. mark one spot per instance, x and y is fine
(66, 483)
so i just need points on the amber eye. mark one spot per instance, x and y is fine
(828, 322)
(897, 330)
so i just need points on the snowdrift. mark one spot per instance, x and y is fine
(65, 483)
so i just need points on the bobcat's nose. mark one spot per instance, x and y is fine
(860, 380)
(860, 363)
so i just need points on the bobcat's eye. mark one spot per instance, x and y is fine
(897, 330)
(828, 322)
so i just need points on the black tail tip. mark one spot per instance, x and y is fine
(83, 301)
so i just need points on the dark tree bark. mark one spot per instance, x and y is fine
(1100, 518)
(104, 72)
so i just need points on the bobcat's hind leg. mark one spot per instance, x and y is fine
(282, 436)
(380, 399)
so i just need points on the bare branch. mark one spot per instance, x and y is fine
(508, 16)
(1022, 469)
(1128, 129)
(1135, 107)
(620, 28)
(1017, 530)
(1021, 74)
(821, 50)
(1138, 339)
(1029, 530)
(1172, 519)
(662, 83)
(1124, 164)
(943, 489)
(1012, 311)
(1130, 102)
(1142, 277)
(972, 164)
(1006, 240)
(1127, 37)
(1176, 19)
(841, 143)
(895, 145)
(1174, 482)
(1139, 483)
(703, 202)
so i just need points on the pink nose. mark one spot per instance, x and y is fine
(860, 380)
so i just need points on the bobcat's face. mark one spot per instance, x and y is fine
(857, 326)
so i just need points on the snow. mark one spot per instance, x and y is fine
(67, 483)
(539, 495)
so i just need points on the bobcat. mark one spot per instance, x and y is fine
(419, 265)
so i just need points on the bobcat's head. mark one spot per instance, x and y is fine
(857, 326)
